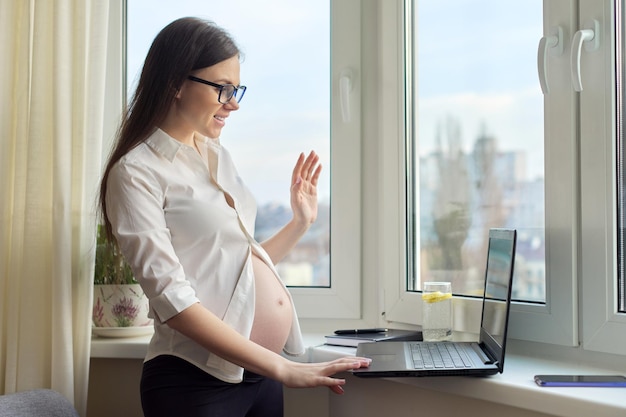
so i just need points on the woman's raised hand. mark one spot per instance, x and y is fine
(304, 179)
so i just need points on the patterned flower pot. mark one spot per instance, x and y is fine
(120, 306)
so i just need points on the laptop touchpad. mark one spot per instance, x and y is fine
(382, 358)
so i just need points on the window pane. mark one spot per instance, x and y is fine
(286, 109)
(478, 158)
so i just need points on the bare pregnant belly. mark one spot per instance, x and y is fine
(273, 312)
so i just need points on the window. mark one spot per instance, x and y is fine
(505, 173)
(580, 300)
(289, 108)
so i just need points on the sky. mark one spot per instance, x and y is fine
(474, 65)
(477, 62)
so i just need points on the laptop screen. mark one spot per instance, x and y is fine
(498, 279)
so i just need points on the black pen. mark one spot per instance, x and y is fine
(361, 331)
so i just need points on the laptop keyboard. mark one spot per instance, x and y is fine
(438, 355)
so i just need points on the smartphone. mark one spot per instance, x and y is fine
(580, 380)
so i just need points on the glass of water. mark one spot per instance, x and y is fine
(437, 311)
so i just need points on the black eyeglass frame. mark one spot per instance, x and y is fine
(236, 89)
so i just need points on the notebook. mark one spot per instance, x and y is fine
(482, 358)
(354, 339)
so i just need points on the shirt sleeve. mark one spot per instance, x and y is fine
(134, 204)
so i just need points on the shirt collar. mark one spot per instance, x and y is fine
(168, 147)
(164, 144)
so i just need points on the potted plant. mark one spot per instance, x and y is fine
(120, 307)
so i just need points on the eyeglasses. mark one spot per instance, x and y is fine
(227, 91)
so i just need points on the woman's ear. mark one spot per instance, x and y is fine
(178, 91)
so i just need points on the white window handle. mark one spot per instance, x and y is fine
(345, 87)
(590, 36)
(554, 43)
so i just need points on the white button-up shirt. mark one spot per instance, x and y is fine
(185, 244)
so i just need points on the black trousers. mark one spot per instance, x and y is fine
(173, 387)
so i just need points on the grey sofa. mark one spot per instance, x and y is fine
(36, 403)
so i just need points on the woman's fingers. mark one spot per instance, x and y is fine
(309, 165)
(338, 388)
(307, 168)
(297, 170)
(316, 174)
(345, 364)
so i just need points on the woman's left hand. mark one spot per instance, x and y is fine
(304, 189)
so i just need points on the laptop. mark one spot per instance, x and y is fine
(482, 358)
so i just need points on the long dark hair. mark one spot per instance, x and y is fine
(184, 45)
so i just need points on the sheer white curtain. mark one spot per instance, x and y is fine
(53, 55)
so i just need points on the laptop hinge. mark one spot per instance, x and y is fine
(481, 354)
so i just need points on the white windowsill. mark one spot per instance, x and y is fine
(515, 387)
(119, 347)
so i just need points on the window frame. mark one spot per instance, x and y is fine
(581, 225)
(115, 81)
(603, 328)
(556, 321)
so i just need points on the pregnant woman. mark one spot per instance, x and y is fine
(174, 203)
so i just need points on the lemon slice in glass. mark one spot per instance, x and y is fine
(435, 297)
